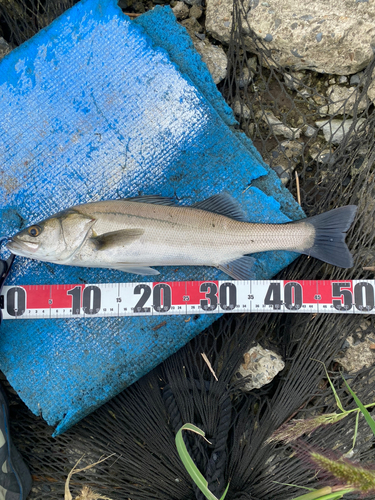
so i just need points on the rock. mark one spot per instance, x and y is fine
(245, 77)
(181, 10)
(294, 79)
(321, 102)
(356, 79)
(371, 92)
(261, 366)
(309, 131)
(5, 48)
(371, 89)
(284, 158)
(358, 355)
(333, 37)
(193, 2)
(139, 7)
(192, 26)
(196, 12)
(252, 64)
(241, 110)
(343, 79)
(219, 15)
(321, 154)
(278, 128)
(215, 58)
(343, 99)
(335, 130)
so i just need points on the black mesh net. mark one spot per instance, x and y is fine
(327, 165)
(139, 425)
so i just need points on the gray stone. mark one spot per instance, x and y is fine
(252, 64)
(181, 10)
(335, 130)
(244, 78)
(334, 37)
(196, 11)
(294, 80)
(358, 356)
(5, 48)
(320, 104)
(192, 26)
(284, 158)
(355, 79)
(343, 79)
(309, 131)
(321, 154)
(343, 99)
(305, 93)
(241, 110)
(214, 57)
(278, 128)
(260, 366)
(219, 19)
(371, 89)
(193, 2)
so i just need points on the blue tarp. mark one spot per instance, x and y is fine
(99, 107)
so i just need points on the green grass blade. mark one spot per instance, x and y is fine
(338, 402)
(225, 492)
(355, 430)
(294, 485)
(366, 414)
(324, 494)
(190, 466)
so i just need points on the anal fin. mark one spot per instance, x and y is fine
(142, 270)
(239, 269)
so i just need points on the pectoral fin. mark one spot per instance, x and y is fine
(116, 238)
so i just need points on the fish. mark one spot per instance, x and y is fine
(135, 234)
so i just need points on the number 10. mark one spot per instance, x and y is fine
(91, 299)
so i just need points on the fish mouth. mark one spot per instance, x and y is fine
(22, 247)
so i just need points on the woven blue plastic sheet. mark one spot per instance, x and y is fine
(99, 107)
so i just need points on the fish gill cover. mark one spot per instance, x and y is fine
(98, 107)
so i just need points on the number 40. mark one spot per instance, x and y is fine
(292, 296)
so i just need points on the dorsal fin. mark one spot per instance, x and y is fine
(222, 204)
(154, 199)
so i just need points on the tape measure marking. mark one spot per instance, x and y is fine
(187, 297)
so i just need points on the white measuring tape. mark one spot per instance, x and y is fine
(187, 297)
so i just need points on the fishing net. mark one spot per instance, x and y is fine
(138, 427)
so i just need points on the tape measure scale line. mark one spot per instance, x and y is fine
(188, 297)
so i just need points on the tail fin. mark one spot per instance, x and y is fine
(330, 231)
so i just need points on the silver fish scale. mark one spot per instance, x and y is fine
(181, 235)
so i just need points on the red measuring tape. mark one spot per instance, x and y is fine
(187, 297)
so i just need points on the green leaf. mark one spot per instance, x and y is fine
(190, 466)
(366, 414)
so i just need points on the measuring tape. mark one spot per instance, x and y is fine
(187, 297)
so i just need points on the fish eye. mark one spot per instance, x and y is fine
(34, 231)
